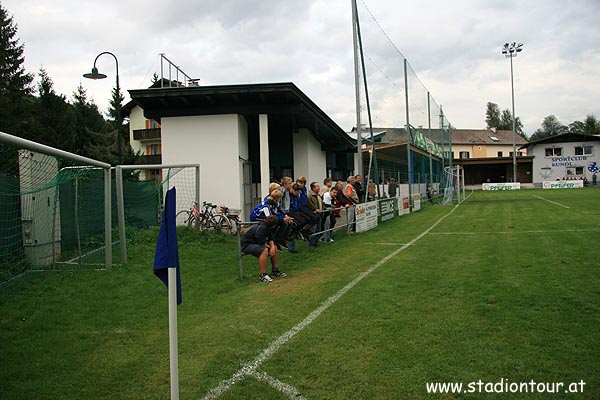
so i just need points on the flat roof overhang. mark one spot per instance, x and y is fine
(278, 100)
(492, 160)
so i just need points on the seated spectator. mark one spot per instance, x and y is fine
(311, 217)
(327, 184)
(329, 206)
(271, 206)
(315, 204)
(258, 241)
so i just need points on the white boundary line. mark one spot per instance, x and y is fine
(284, 388)
(550, 201)
(514, 232)
(385, 244)
(249, 368)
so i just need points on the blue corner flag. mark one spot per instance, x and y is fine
(167, 253)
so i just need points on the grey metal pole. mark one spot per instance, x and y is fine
(107, 219)
(408, 135)
(198, 185)
(121, 215)
(514, 132)
(429, 121)
(357, 87)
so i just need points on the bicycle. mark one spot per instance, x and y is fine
(232, 216)
(188, 217)
(203, 219)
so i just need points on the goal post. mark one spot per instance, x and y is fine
(36, 180)
(162, 177)
(454, 188)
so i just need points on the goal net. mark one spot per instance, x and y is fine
(454, 188)
(54, 208)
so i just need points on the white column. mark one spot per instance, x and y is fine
(263, 133)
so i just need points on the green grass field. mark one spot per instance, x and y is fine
(505, 286)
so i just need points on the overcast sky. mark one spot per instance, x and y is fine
(453, 46)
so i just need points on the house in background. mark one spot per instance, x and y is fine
(565, 157)
(486, 155)
(243, 136)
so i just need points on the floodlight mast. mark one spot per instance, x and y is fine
(510, 50)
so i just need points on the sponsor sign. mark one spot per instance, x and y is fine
(423, 142)
(567, 161)
(562, 184)
(366, 216)
(405, 209)
(501, 186)
(416, 202)
(387, 209)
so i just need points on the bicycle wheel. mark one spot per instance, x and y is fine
(184, 217)
(223, 224)
(233, 227)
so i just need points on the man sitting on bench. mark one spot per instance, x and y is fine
(258, 241)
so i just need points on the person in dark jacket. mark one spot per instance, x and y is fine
(258, 241)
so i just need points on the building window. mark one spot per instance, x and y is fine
(574, 171)
(463, 154)
(499, 154)
(553, 151)
(154, 149)
(583, 150)
(519, 153)
(448, 154)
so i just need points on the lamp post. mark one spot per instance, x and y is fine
(510, 50)
(97, 75)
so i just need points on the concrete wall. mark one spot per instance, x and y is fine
(214, 142)
(552, 168)
(309, 159)
(137, 121)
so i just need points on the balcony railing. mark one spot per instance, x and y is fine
(152, 159)
(146, 134)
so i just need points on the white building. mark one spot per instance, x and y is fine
(567, 156)
(243, 137)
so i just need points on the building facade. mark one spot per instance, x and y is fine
(565, 157)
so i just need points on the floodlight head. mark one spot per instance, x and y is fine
(519, 47)
(94, 74)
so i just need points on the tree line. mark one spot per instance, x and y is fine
(551, 126)
(40, 114)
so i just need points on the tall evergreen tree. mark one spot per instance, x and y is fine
(15, 83)
(54, 117)
(93, 133)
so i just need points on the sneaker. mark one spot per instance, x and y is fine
(278, 273)
(330, 241)
(265, 278)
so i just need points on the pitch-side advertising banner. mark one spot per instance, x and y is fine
(501, 186)
(404, 206)
(366, 216)
(387, 209)
(562, 184)
(416, 202)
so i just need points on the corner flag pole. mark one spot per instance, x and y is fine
(173, 353)
(166, 268)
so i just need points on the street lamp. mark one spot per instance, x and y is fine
(510, 50)
(97, 75)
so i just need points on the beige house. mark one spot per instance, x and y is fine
(485, 143)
